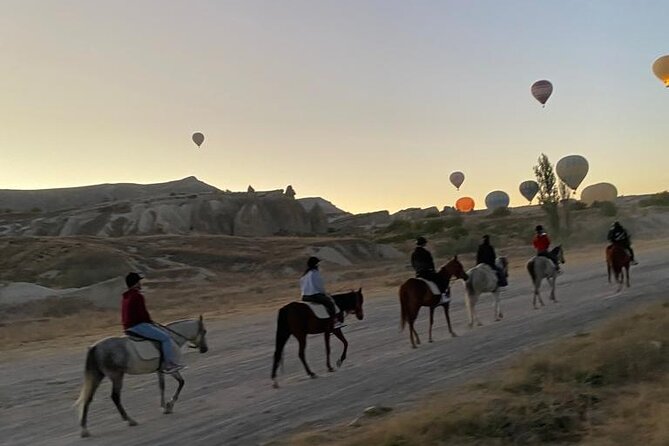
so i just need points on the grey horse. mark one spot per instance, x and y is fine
(541, 268)
(483, 279)
(115, 356)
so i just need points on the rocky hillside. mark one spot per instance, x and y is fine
(187, 206)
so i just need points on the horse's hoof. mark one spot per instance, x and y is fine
(85, 433)
(168, 409)
(430, 341)
(501, 316)
(413, 346)
(330, 369)
(275, 384)
(339, 363)
(478, 324)
(313, 376)
(453, 334)
(132, 422)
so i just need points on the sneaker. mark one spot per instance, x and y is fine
(338, 325)
(173, 368)
(445, 298)
(634, 262)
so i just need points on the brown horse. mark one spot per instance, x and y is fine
(618, 260)
(414, 293)
(297, 319)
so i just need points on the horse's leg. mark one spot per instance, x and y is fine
(327, 350)
(93, 382)
(608, 271)
(343, 340)
(553, 281)
(175, 397)
(497, 307)
(431, 324)
(282, 335)
(302, 339)
(541, 301)
(475, 299)
(627, 273)
(470, 314)
(117, 385)
(448, 319)
(415, 340)
(161, 385)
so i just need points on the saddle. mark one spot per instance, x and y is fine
(433, 286)
(319, 310)
(146, 349)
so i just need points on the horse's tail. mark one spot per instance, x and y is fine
(92, 375)
(282, 335)
(530, 269)
(404, 310)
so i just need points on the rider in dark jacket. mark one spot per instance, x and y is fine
(423, 264)
(618, 234)
(486, 254)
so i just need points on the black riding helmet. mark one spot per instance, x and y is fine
(312, 262)
(421, 241)
(539, 228)
(132, 279)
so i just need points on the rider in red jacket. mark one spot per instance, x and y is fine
(542, 244)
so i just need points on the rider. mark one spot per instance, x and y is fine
(618, 234)
(541, 243)
(313, 289)
(136, 320)
(423, 264)
(486, 255)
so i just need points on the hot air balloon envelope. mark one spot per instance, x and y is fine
(464, 204)
(457, 178)
(198, 138)
(542, 90)
(497, 199)
(661, 69)
(599, 192)
(572, 169)
(529, 189)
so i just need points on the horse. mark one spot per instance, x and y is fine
(618, 260)
(299, 320)
(541, 268)
(483, 279)
(115, 356)
(415, 293)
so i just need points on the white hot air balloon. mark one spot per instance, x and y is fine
(198, 138)
(497, 199)
(599, 192)
(457, 178)
(529, 189)
(542, 90)
(572, 169)
(661, 69)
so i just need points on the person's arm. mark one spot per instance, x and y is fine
(430, 259)
(318, 282)
(141, 309)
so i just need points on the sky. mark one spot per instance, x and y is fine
(369, 104)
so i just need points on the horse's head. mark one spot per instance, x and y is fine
(454, 269)
(503, 264)
(350, 302)
(358, 304)
(191, 331)
(559, 253)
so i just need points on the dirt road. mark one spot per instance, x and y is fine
(228, 399)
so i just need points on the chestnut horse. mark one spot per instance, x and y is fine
(618, 260)
(297, 319)
(415, 293)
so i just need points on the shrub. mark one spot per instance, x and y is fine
(659, 199)
(577, 206)
(500, 212)
(606, 208)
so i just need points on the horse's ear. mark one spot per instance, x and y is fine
(455, 257)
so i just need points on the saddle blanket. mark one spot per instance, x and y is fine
(319, 310)
(433, 286)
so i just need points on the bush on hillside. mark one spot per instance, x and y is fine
(659, 199)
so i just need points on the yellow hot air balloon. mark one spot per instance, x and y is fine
(599, 192)
(661, 69)
(198, 138)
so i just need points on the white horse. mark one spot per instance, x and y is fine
(483, 279)
(541, 268)
(115, 356)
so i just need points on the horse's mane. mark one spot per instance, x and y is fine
(349, 299)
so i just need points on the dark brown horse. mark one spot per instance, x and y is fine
(618, 260)
(298, 319)
(414, 293)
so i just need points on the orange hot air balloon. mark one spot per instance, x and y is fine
(465, 204)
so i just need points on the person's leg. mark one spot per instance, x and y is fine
(150, 331)
(323, 300)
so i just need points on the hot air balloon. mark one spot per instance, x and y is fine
(198, 138)
(599, 192)
(497, 199)
(457, 178)
(572, 169)
(661, 69)
(464, 204)
(542, 90)
(529, 189)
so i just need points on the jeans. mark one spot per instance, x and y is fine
(322, 299)
(155, 333)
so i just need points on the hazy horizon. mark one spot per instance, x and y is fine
(370, 105)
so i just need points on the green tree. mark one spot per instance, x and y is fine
(549, 196)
